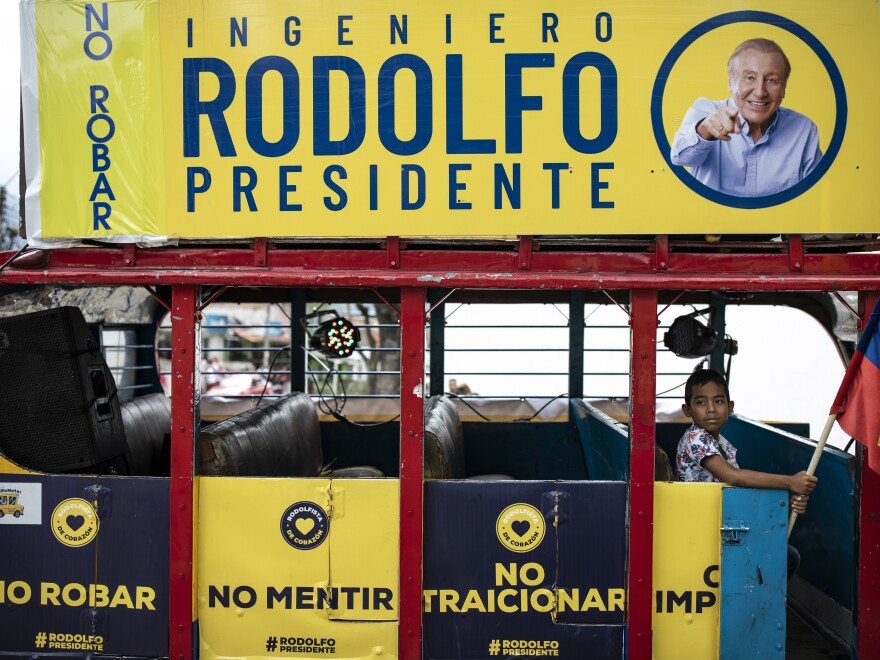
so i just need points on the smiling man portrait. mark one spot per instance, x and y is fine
(749, 145)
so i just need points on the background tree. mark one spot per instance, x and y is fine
(9, 238)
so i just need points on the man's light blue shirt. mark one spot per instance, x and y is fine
(784, 155)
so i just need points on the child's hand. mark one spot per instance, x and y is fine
(798, 503)
(802, 483)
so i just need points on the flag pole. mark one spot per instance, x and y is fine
(817, 454)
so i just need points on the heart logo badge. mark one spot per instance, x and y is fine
(75, 522)
(304, 525)
(520, 527)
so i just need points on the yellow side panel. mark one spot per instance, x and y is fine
(687, 557)
(298, 566)
(8, 467)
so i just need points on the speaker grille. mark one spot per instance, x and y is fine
(47, 408)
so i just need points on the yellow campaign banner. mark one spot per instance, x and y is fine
(305, 567)
(687, 575)
(185, 119)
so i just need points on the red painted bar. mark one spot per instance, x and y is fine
(184, 400)
(641, 499)
(412, 390)
(668, 280)
(868, 621)
(488, 259)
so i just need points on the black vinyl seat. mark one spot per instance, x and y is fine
(445, 445)
(147, 423)
(444, 440)
(280, 438)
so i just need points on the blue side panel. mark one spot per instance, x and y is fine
(824, 536)
(605, 443)
(753, 574)
(485, 600)
(108, 596)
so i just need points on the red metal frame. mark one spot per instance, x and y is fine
(412, 391)
(641, 493)
(466, 266)
(665, 264)
(868, 621)
(184, 403)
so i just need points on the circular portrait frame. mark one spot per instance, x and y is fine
(840, 105)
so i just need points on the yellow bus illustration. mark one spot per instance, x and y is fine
(9, 504)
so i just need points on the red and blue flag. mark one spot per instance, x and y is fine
(858, 399)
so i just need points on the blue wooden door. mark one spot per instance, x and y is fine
(753, 573)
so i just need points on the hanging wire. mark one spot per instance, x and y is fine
(538, 412)
(476, 412)
(556, 307)
(338, 400)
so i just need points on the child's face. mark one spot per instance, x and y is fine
(709, 407)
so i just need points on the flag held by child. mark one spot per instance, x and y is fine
(857, 403)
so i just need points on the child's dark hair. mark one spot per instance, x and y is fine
(702, 377)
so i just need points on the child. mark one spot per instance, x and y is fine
(706, 455)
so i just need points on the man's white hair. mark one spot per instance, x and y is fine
(761, 46)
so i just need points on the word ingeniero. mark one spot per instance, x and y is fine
(406, 84)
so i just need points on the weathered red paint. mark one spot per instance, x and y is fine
(641, 496)
(868, 623)
(654, 265)
(488, 279)
(412, 390)
(184, 401)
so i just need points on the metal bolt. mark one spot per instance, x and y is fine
(778, 625)
(182, 429)
(180, 627)
(641, 514)
(409, 633)
(662, 264)
(797, 264)
(644, 356)
(180, 576)
(393, 263)
(524, 264)
(640, 636)
(128, 261)
(182, 507)
(410, 580)
(641, 582)
(410, 513)
(779, 647)
(260, 260)
(412, 433)
(183, 350)
(412, 353)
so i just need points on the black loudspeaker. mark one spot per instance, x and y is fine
(58, 402)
